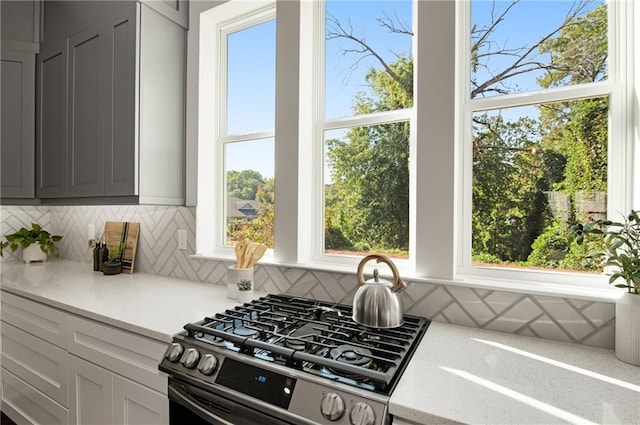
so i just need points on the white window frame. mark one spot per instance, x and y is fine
(440, 166)
(215, 25)
(620, 145)
(320, 124)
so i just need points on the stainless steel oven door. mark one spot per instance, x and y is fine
(190, 405)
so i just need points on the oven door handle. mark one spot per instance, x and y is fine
(179, 397)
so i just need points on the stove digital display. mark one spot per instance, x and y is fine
(259, 383)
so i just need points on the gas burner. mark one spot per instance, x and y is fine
(304, 334)
(323, 313)
(246, 332)
(356, 356)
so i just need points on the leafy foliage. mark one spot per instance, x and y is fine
(261, 228)
(25, 237)
(371, 181)
(115, 255)
(516, 161)
(508, 181)
(244, 184)
(622, 248)
(244, 285)
(368, 199)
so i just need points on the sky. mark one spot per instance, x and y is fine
(252, 63)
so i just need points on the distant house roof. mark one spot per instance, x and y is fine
(242, 208)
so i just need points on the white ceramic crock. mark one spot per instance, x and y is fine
(628, 328)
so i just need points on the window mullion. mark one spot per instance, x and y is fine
(433, 164)
(287, 148)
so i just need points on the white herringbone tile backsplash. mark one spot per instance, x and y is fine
(561, 319)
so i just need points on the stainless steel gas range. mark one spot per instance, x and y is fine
(286, 360)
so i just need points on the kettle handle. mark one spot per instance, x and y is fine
(398, 284)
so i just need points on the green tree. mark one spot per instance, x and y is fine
(261, 228)
(243, 184)
(572, 152)
(514, 162)
(509, 208)
(370, 172)
(578, 129)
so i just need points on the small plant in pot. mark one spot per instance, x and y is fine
(114, 263)
(36, 243)
(245, 290)
(622, 256)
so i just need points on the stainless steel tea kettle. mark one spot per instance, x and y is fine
(376, 303)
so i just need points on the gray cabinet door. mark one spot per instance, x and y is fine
(86, 119)
(52, 122)
(17, 138)
(120, 101)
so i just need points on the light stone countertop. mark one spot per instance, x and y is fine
(468, 375)
(457, 374)
(154, 306)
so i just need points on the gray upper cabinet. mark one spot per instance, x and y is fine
(19, 31)
(17, 124)
(105, 99)
(120, 152)
(52, 137)
(86, 111)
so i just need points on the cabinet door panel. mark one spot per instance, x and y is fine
(35, 318)
(91, 397)
(42, 365)
(125, 353)
(52, 137)
(120, 118)
(17, 149)
(86, 112)
(27, 405)
(138, 405)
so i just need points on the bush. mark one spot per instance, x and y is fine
(485, 257)
(335, 239)
(551, 247)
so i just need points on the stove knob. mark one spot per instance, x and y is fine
(190, 358)
(208, 364)
(332, 406)
(175, 352)
(362, 414)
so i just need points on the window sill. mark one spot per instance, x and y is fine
(599, 293)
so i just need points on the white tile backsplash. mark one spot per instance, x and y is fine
(577, 321)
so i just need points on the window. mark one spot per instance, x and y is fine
(424, 131)
(365, 127)
(240, 122)
(537, 113)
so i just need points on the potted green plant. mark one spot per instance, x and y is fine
(113, 265)
(36, 243)
(622, 257)
(245, 290)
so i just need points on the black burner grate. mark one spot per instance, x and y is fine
(315, 336)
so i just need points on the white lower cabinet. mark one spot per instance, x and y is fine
(91, 400)
(25, 404)
(78, 378)
(99, 397)
(39, 363)
(134, 404)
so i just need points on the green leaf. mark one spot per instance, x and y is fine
(614, 277)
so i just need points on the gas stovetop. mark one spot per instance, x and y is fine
(315, 336)
(300, 360)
